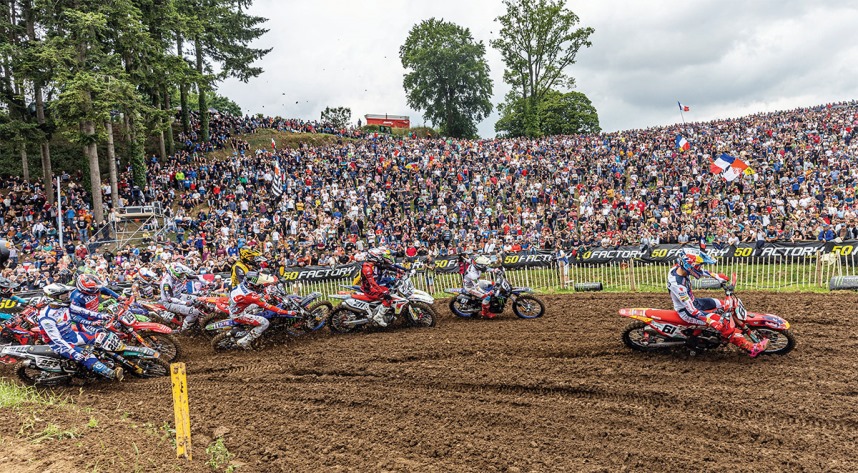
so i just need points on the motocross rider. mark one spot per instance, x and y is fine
(173, 293)
(248, 260)
(246, 295)
(7, 287)
(704, 311)
(148, 281)
(479, 288)
(378, 260)
(68, 328)
(85, 300)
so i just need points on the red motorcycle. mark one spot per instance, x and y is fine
(158, 337)
(658, 329)
(21, 328)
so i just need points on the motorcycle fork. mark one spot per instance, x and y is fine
(125, 362)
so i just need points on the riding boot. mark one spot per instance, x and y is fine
(743, 343)
(378, 315)
(486, 313)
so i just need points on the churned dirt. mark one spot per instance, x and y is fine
(559, 393)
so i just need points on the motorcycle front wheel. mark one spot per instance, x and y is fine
(207, 319)
(166, 345)
(421, 314)
(223, 341)
(528, 307)
(338, 318)
(317, 318)
(152, 368)
(781, 342)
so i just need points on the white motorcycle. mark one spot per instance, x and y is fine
(407, 302)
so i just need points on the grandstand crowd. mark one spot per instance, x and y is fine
(419, 196)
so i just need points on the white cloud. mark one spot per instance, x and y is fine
(723, 58)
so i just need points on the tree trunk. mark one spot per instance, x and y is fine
(90, 150)
(171, 144)
(25, 165)
(45, 145)
(138, 156)
(201, 89)
(183, 91)
(162, 148)
(111, 156)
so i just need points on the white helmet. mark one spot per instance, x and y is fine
(147, 275)
(482, 262)
(179, 270)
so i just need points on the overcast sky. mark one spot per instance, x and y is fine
(723, 58)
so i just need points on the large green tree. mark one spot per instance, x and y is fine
(539, 40)
(448, 76)
(557, 113)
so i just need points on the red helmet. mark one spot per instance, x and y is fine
(89, 284)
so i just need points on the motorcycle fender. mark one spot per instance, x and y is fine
(221, 324)
(152, 327)
(359, 306)
(766, 320)
(416, 297)
(521, 290)
(637, 314)
(453, 291)
(53, 365)
(140, 352)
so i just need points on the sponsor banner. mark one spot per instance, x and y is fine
(318, 273)
(743, 252)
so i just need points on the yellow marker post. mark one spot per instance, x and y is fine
(180, 406)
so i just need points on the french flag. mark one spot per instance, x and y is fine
(683, 108)
(682, 144)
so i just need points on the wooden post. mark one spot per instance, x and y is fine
(180, 408)
(632, 284)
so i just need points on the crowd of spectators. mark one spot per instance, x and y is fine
(321, 205)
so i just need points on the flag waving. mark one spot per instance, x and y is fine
(729, 167)
(683, 108)
(682, 144)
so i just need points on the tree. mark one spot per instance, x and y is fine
(221, 33)
(449, 76)
(339, 116)
(538, 41)
(557, 113)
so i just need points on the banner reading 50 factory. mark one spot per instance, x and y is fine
(747, 252)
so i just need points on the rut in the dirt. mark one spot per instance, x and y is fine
(559, 393)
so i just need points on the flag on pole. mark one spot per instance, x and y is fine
(682, 144)
(729, 167)
(683, 108)
(273, 144)
(277, 182)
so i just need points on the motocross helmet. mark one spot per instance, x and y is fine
(693, 262)
(380, 255)
(482, 262)
(253, 280)
(147, 275)
(7, 287)
(180, 271)
(89, 284)
(58, 291)
(250, 256)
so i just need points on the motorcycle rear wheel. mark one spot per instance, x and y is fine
(781, 342)
(165, 344)
(523, 307)
(37, 377)
(455, 308)
(426, 316)
(207, 319)
(224, 341)
(340, 315)
(634, 334)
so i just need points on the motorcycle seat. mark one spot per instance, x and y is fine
(363, 297)
(667, 316)
(42, 350)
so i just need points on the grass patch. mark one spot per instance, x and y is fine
(220, 457)
(54, 432)
(13, 395)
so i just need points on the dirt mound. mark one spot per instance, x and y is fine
(559, 393)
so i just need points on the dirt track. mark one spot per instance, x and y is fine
(556, 394)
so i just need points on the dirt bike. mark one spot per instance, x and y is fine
(357, 309)
(21, 328)
(524, 304)
(132, 330)
(40, 366)
(658, 329)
